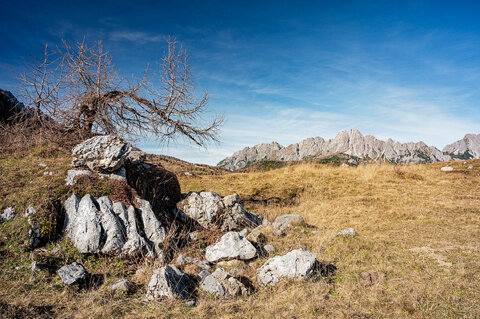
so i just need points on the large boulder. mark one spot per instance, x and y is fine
(101, 226)
(231, 246)
(223, 285)
(297, 264)
(104, 153)
(169, 282)
(212, 211)
(157, 185)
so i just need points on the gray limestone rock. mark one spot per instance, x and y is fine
(223, 285)
(100, 226)
(106, 153)
(297, 264)
(212, 211)
(231, 246)
(183, 260)
(169, 282)
(8, 213)
(346, 232)
(123, 285)
(73, 273)
(283, 222)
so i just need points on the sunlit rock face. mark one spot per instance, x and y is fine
(348, 142)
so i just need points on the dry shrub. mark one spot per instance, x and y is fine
(26, 134)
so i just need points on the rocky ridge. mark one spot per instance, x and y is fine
(357, 147)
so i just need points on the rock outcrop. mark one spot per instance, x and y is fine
(466, 148)
(348, 142)
(101, 226)
(297, 264)
(212, 211)
(9, 106)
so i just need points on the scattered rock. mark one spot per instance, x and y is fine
(35, 267)
(231, 246)
(370, 278)
(283, 222)
(256, 236)
(298, 264)
(190, 303)
(314, 232)
(29, 211)
(223, 285)
(8, 213)
(105, 153)
(346, 232)
(269, 249)
(169, 282)
(48, 173)
(72, 173)
(72, 274)
(446, 169)
(123, 285)
(470, 167)
(213, 212)
(42, 165)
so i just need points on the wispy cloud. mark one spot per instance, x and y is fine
(137, 37)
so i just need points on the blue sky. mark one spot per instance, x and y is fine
(284, 70)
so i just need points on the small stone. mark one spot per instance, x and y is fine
(190, 303)
(42, 165)
(123, 285)
(188, 174)
(8, 213)
(283, 222)
(73, 273)
(269, 249)
(470, 167)
(257, 237)
(370, 278)
(346, 232)
(223, 285)
(29, 211)
(314, 232)
(35, 267)
(193, 235)
(446, 169)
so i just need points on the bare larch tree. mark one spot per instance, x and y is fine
(79, 87)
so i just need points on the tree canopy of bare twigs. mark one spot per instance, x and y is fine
(78, 86)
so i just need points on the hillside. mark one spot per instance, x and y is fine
(351, 143)
(416, 225)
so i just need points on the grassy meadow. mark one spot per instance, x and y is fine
(416, 224)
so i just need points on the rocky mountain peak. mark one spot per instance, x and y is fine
(354, 144)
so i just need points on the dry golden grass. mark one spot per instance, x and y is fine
(416, 224)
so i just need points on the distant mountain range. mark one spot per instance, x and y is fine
(356, 147)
